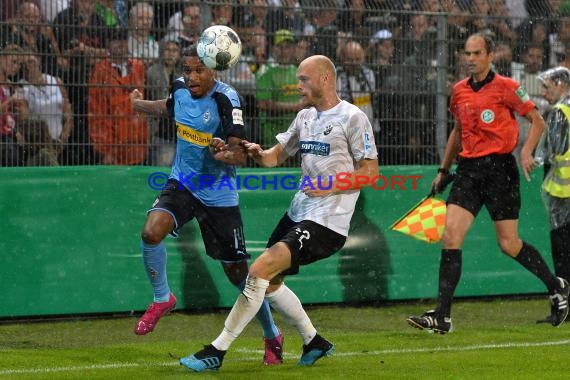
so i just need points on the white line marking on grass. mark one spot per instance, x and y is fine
(246, 351)
(67, 369)
(465, 348)
(82, 368)
(440, 349)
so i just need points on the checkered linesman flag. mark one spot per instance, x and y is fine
(425, 221)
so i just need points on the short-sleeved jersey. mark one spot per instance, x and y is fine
(217, 114)
(486, 116)
(330, 142)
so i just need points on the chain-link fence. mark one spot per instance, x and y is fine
(66, 72)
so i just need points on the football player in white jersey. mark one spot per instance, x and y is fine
(334, 138)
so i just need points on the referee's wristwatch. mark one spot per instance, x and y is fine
(443, 171)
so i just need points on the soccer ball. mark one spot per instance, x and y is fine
(219, 47)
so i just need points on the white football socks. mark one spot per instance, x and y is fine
(245, 308)
(288, 305)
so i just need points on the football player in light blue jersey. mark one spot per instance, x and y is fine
(216, 114)
(210, 128)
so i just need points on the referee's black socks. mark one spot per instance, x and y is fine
(449, 274)
(529, 258)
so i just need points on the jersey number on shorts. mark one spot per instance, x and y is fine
(303, 234)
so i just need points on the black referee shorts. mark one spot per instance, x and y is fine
(491, 181)
(307, 240)
(221, 227)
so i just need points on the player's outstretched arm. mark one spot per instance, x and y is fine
(268, 158)
(149, 107)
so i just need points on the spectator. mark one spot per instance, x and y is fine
(113, 12)
(29, 31)
(457, 30)
(47, 100)
(253, 41)
(167, 12)
(323, 16)
(537, 34)
(547, 12)
(254, 13)
(565, 59)
(502, 23)
(545, 8)
(276, 89)
(461, 69)
(260, 10)
(526, 74)
(35, 144)
(356, 82)
(10, 63)
(388, 98)
(118, 134)
(416, 38)
(518, 12)
(354, 21)
(50, 8)
(287, 16)
(223, 12)
(562, 42)
(190, 26)
(386, 14)
(429, 7)
(159, 79)
(81, 35)
(302, 49)
(242, 75)
(418, 101)
(255, 9)
(502, 61)
(142, 44)
(381, 57)
(481, 20)
(11, 105)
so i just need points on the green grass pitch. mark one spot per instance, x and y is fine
(493, 339)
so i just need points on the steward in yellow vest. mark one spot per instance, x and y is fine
(554, 152)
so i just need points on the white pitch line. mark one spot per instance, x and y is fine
(368, 353)
(439, 349)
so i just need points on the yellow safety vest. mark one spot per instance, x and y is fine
(558, 182)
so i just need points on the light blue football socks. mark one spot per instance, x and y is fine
(154, 258)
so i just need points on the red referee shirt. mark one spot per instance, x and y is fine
(487, 120)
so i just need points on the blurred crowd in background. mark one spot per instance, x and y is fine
(67, 68)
